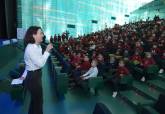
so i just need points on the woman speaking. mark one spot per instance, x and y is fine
(34, 60)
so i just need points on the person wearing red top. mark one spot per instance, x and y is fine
(138, 47)
(76, 59)
(120, 73)
(126, 46)
(155, 50)
(85, 64)
(76, 73)
(94, 55)
(122, 70)
(61, 48)
(71, 57)
(136, 58)
(148, 60)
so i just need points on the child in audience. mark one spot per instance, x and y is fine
(126, 46)
(85, 64)
(155, 50)
(94, 55)
(136, 58)
(120, 73)
(76, 72)
(138, 47)
(101, 64)
(147, 62)
(126, 55)
(61, 48)
(112, 63)
(76, 59)
(92, 72)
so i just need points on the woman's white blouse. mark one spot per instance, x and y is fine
(34, 59)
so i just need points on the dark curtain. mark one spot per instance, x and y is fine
(3, 33)
(8, 19)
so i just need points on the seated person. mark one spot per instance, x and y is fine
(120, 73)
(71, 58)
(77, 71)
(93, 56)
(136, 58)
(92, 72)
(85, 65)
(155, 50)
(126, 55)
(138, 47)
(101, 64)
(118, 54)
(146, 62)
(76, 59)
(126, 46)
(112, 64)
(61, 48)
(75, 75)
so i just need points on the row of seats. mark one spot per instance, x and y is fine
(136, 73)
(60, 71)
(59, 79)
(8, 42)
(17, 92)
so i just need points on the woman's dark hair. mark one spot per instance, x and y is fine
(29, 35)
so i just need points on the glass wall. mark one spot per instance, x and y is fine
(54, 15)
(149, 11)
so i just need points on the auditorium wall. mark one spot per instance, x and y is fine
(84, 16)
(156, 7)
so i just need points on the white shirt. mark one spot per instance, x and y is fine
(34, 59)
(93, 47)
(92, 72)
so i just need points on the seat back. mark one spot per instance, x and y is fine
(153, 69)
(100, 108)
(160, 104)
(127, 79)
(62, 83)
(58, 69)
(96, 82)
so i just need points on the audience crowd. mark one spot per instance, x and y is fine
(141, 43)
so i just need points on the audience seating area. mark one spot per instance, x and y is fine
(134, 43)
